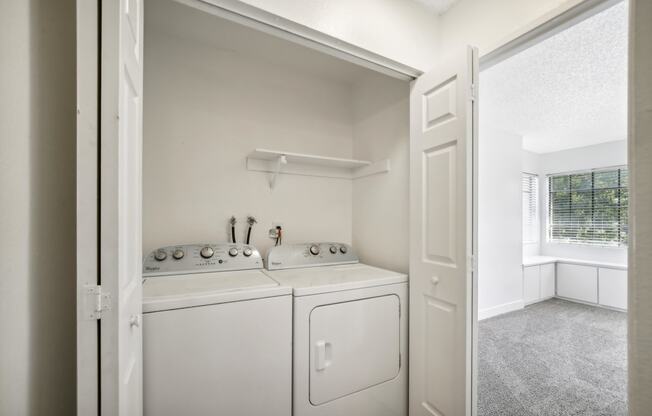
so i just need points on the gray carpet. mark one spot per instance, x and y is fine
(553, 358)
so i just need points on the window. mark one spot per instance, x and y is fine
(530, 185)
(588, 207)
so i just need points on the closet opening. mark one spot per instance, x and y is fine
(253, 143)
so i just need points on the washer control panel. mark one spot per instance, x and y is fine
(201, 258)
(291, 256)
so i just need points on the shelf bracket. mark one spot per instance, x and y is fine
(280, 161)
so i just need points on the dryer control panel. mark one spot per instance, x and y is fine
(292, 256)
(201, 258)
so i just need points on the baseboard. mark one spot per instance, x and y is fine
(597, 305)
(500, 309)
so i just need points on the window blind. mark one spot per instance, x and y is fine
(530, 187)
(589, 207)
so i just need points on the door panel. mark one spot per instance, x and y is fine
(613, 287)
(577, 282)
(547, 281)
(354, 345)
(120, 205)
(443, 123)
(440, 210)
(531, 284)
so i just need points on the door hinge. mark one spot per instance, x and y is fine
(473, 263)
(474, 92)
(96, 301)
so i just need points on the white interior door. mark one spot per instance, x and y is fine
(120, 206)
(443, 124)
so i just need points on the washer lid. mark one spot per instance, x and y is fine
(314, 280)
(183, 291)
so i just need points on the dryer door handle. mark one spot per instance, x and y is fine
(323, 355)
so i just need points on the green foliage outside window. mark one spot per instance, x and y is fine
(589, 207)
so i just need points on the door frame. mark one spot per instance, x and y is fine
(250, 16)
(542, 28)
(88, 207)
(529, 35)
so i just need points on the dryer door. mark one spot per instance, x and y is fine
(354, 345)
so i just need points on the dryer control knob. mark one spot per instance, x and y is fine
(247, 252)
(178, 254)
(333, 249)
(233, 252)
(207, 252)
(343, 249)
(161, 255)
(314, 249)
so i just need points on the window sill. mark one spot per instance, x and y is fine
(540, 260)
(567, 243)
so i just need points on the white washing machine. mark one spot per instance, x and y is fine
(350, 331)
(217, 333)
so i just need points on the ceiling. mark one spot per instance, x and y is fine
(567, 91)
(438, 6)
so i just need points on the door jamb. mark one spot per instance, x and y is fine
(87, 205)
(548, 25)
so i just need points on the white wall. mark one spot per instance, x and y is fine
(500, 235)
(205, 110)
(583, 158)
(37, 207)
(403, 30)
(380, 202)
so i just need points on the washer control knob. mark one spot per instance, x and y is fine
(207, 252)
(247, 252)
(343, 249)
(233, 252)
(161, 255)
(178, 254)
(333, 249)
(314, 249)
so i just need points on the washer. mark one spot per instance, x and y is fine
(217, 333)
(350, 331)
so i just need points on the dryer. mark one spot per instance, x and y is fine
(217, 333)
(350, 331)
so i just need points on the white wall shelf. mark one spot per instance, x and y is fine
(275, 162)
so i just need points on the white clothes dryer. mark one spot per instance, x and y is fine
(217, 333)
(350, 331)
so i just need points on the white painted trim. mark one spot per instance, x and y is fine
(108, 241)
(546, 26)
(87, 204)
(255, 18)
(500, 309)
(472, 234)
